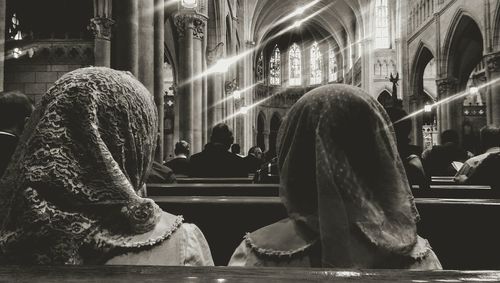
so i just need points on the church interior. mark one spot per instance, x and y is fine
(220, 111)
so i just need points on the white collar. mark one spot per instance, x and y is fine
(493, 149)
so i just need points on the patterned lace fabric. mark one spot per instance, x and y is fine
(72, 186)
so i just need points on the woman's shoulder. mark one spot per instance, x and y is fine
(283, 241)
(186, 245)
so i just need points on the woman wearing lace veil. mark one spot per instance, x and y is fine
(70, 196)
(345, 190)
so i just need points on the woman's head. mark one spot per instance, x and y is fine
(340, 171)
(85, 153)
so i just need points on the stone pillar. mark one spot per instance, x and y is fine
(146, 43)
(190, 27)
(101, 28)
(2, 40)
(493, 91)
(214, 93)
(126, 43)
(449, 113)
(197, 63)
(159, 91)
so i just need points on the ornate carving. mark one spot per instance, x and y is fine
(230, 86)
(198, 28)
(215, 54)
(446, 86)
(101, 27)
(493, 63)
(192, 21)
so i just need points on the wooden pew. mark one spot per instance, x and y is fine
(230, 274)
(436, 191)
(187, 180)
(462, 232)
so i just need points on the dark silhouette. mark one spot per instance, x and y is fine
(254, 159)
(437, 161)
(483, 169)
(180, 164)
(215, 160)
(15, 108)
(409, 153)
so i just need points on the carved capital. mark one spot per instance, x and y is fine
(190, 21)
(493, 62)
(101, 27)
(446, 86)
(230, 86)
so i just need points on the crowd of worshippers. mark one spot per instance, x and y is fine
(75, 169)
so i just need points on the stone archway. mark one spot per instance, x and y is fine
(463, 52)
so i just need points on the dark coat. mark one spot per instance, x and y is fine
(179, 165)
(8, 145)
(216, 162)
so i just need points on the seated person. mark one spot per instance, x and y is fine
(70, 194)
(161, 174)
(15, 108)
(180, 163)
(345, 190)
(254, 159)
(481, 169)
(215, 161)
(268, 173)
(236, 150)
(438, 160)
(409, 153)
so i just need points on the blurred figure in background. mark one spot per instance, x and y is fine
(438, 160)
(409, 153)
(483, 169)
(180, 163)
(236, 149)
(254, 159)
(15, 109)
(215, 161)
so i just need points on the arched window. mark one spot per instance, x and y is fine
(382, 24)
(275, 67)
(315, 64)
(333, 67)
(294, 61)
(260, 67)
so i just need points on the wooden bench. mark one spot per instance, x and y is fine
(230, 274)
(436, 191)
(463, 232)
(187, 180)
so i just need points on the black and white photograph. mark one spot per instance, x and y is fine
(249, 141)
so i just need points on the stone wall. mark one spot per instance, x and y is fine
(35, 74)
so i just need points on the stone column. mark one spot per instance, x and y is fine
(449, 113)
(159, 91)
(185, 88)
(101, 28)
(126, 43)
(146, 43)
(197, 94)
(190, 27)
(493, 91)
(2, 40)
(214, 94)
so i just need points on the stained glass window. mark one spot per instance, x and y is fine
(275, 67)
(333, 67)
(295, 74)
(382, 24)
(315, 64)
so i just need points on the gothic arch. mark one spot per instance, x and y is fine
(496, 28)
(463, 47)
(385, 98)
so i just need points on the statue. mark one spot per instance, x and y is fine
(395, 101)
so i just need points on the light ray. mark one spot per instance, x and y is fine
(235, 94)
(449, 99)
